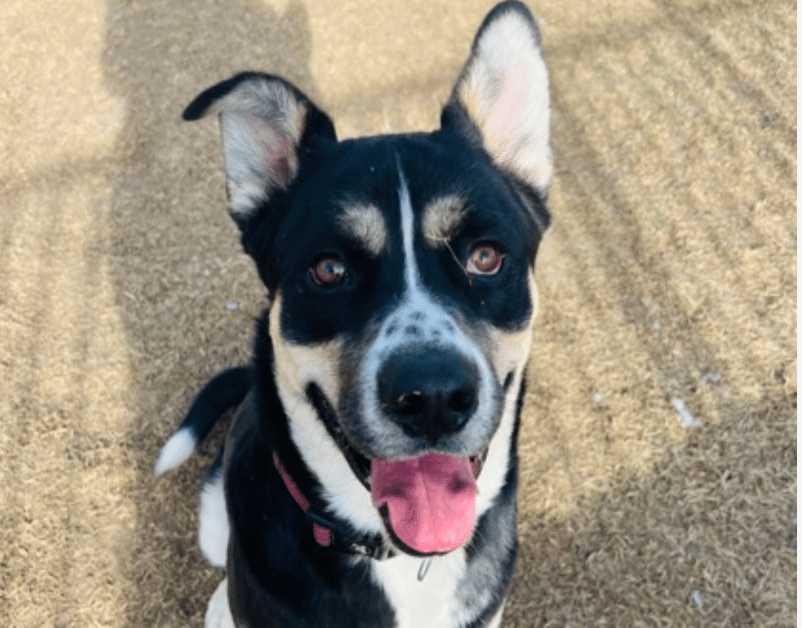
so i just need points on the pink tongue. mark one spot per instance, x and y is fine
(430, 500)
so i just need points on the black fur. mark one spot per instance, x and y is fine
(224, 391)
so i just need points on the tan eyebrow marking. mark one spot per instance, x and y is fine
(365, 224)
(441, 218)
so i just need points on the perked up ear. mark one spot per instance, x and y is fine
(267, 125)
(503, 91)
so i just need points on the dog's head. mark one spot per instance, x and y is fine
(400, 276)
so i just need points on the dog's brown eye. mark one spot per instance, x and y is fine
(328, 272)
(484, 259)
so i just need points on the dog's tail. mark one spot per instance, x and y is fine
(225, 390)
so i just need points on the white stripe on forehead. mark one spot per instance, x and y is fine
(411, 275)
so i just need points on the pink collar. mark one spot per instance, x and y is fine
(328, 533)
(322, 535)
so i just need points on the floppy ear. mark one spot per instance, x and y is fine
(501, 98)
(268, 127)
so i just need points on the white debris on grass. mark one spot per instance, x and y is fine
(697, 598)
(689, 421)
(711, 379)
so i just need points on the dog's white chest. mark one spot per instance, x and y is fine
(430, 602)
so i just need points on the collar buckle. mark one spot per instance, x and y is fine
(341, 540)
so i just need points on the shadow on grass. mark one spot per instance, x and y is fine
(177, 260)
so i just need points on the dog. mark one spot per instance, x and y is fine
(369, 475)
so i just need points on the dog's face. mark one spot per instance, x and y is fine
(400, 275)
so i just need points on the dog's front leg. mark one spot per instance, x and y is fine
(218, 613)
(496, 621)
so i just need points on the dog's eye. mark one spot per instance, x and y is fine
(484, 259)
(328, 272)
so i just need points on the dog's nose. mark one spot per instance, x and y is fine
(429, 392)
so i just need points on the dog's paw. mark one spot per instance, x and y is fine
(496, 621)
(213, 526)
(218, 613)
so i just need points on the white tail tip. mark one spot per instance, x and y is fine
(176, 451)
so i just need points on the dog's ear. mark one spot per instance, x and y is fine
(268, 128)
(501, 98)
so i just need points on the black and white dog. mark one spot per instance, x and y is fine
(369, 475)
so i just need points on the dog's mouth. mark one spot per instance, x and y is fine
(428, 503)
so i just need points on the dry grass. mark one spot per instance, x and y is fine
(670, 273)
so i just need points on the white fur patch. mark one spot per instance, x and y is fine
(218, 613)
(496, 621)
(213, 526)
(497, 462)
(176, 451)
(428, 603)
